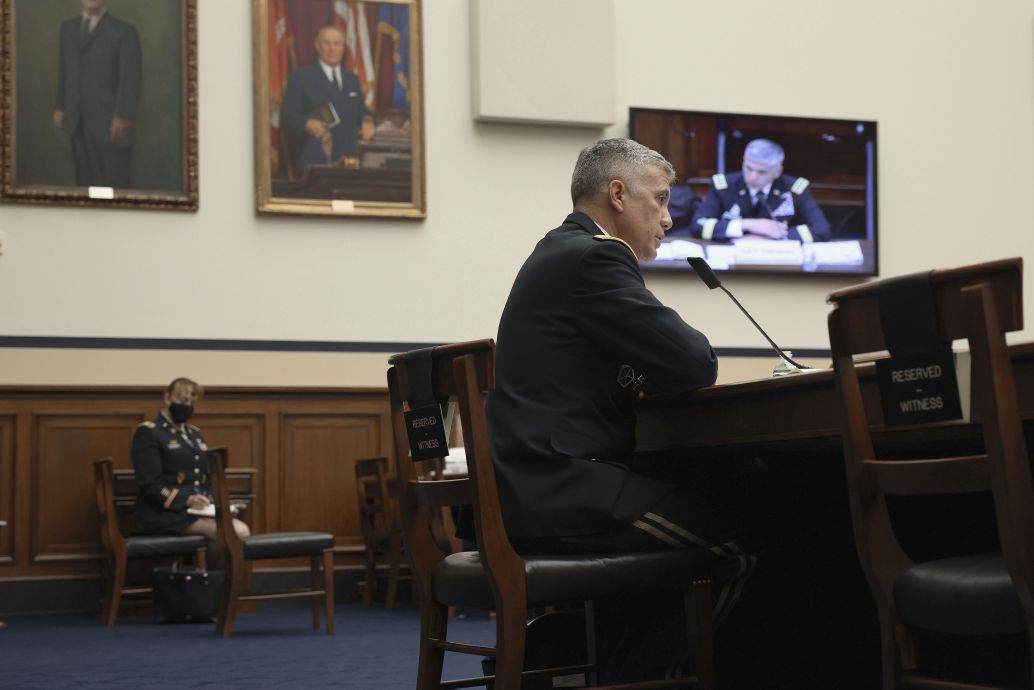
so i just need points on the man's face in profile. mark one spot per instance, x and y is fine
(756, 175)
(92, 6)
(330, 46)
(645, 217)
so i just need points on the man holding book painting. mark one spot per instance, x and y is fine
(323, 106)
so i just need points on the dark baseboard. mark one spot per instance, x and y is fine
(53, 596)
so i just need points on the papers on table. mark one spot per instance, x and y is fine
(679, 250)
(836, 253)
(755, 252)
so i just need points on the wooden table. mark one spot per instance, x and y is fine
(812, 606)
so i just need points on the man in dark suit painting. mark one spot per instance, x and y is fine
(98, 93)
(323, 106)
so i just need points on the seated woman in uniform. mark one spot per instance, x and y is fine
(171, 464)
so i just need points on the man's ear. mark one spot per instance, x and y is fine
(616, 193)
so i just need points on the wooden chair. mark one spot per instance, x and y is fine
(378, 521)
(119, 550)
(495, 577)
(318, 547)
(989, 593)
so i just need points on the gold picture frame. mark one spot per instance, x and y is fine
(73, 131)
(364, 154)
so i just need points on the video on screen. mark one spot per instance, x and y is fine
(765, 193)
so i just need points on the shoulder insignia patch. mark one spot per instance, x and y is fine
(616, 239)
(800, 185)
(719, 181)
(146, 425)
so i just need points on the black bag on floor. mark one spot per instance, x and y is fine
(186, 594)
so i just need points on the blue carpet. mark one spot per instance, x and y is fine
(275, 647)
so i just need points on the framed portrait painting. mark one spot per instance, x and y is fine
(99, 103)
(339, 107)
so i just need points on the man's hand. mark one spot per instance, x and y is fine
(766, 227)
(59, 119)
(367, 130)
(197, 501)
(315, 128)
(119, 128)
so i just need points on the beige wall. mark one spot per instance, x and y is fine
(950, 82)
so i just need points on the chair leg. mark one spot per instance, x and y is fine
(510, 624)
(116, 582)
(246, 572)
(698, 605)
(395, 557)
(889, 650)
(371, 578)
(1030, 646)
(328, 586)
(201, 557)
(235, 572)
(314, 580)
(434, 624)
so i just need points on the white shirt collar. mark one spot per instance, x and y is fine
(330, 71)
(95, 18)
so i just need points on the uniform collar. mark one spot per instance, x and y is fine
(182, 428)
(584, 221)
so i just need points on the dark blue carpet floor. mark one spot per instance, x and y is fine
(275, 647)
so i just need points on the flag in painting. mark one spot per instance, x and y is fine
(350, 17)
(279, 68)
(393, 25)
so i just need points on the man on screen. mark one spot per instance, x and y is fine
(323, 106)
(760, 202)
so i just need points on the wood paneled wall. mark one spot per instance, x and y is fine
(302, 442)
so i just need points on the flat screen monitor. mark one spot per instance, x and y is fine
(766, 193)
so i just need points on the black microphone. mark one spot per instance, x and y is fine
(711, 281)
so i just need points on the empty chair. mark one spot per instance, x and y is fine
(382, 538)
(318, 547)
(971, 594)
(495, 577)
(119, 550)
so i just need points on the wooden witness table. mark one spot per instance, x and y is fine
(811, 607)
(795, 408)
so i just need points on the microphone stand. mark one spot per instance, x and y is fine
(711, 280)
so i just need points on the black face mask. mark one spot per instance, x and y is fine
(180, 412)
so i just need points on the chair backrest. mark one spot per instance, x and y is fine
(111, 535)
(218, 461)
(373, 497)
(466, 372)
(979, 303)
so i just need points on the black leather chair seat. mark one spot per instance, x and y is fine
(153, 546)
(285, 544)
(968, 595)
(459, 579)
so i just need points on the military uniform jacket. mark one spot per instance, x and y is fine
(579, 336)
(170, 464)
(789, 200)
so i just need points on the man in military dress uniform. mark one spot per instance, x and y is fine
(579, 338)
(760, 202)
(170, 461)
